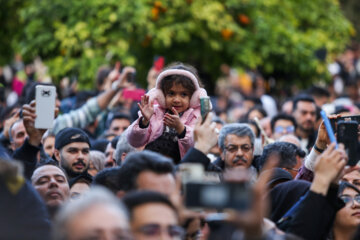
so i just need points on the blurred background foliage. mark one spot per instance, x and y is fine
(289, 40)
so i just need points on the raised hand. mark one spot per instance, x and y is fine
(29, 115)
(115, 73)
(322, 139)
(146, 108)
(251, 220)
(205, 136)
(118, 80)
(329, 166)
(123, 82)
(173, 121)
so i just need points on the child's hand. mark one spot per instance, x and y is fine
(146, 108)
(173, 121)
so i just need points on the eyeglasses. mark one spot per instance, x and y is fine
(280, 129)
(235, 148)
(154, 230)
(349, 199)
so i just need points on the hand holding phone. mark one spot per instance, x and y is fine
(329, 129)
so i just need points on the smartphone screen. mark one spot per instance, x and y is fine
(45, 106)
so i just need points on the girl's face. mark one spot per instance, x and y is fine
(177, 97)
(349, 216)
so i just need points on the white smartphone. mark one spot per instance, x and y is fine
(45, 106)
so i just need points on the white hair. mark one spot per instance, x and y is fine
(96, 196)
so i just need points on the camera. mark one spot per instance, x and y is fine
(204, 190)
(335, 121)
(130, 77)
(218, 195)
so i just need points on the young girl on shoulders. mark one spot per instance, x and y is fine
(168, 125)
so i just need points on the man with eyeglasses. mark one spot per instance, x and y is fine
(236, 142)
(152, 216)
(282, 124)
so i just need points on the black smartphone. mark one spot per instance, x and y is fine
(334, 122)
(218, 195)
(347, 133)
(131, 77)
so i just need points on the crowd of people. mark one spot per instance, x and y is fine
(120, 161)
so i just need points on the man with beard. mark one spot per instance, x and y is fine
(304, 111)
(72, 147)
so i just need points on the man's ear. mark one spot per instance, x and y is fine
(57, 155)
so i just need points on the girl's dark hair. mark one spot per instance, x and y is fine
(187, 83)
(344, 185)
(255, 108)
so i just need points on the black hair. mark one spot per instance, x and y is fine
(82, 97)
(302, 98)
(166, 147)
(134, 199)
(258, 108)
(317, 91)
(120, 116)
(343, 185)
(341, 109)
(137, 162)
(82, 178)
(254, 99)
(108, 178)
(114, 141)
(287, 154)
(100, 145)
(168, 81)
(282, 116)
(6, 112)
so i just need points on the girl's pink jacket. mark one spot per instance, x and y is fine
(139, 137)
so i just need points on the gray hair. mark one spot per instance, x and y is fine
(122, 146)
(98, 159)
(11, 138)
(238, 129)
(47, 134)
(96, 196)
